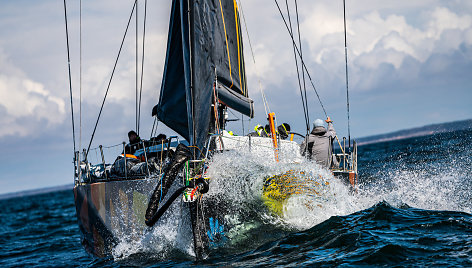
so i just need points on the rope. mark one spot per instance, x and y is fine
(136, 65)
(111, 78)
(142, 65)
(264, 99)
(232, 113)
(153, 125)
(162, 153)
(347, 80)
(70, 76)
(215, 108)
(80, 74)
(305, 109)
(200, 151)
(303, 72)
(111, 146)
(301, 58)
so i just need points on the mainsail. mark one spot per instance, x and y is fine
(204, 46)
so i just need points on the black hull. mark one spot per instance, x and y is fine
(107, 211)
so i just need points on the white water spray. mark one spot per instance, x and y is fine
(238, 177)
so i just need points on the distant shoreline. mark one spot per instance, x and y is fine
(417, 132)
(37, 191)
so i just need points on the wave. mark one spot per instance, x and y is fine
(406, 187)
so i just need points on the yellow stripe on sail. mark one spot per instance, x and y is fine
(227, 47)
(239, 50)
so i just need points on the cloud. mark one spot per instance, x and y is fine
(33, 63)
(22, 97)
(399, 53)
(372, 34)
(379, 35)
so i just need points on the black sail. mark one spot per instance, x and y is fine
(204, 45)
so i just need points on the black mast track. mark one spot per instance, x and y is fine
(198, 223)
(192, 62)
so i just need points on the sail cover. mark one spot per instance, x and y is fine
(204, 45)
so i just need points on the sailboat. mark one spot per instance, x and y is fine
(204, 76)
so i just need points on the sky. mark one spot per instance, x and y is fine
(409, 62)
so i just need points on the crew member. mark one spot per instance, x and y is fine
(284, 131)
(318, 144)
(267, 131)
(259, 131)
(134, 143)
(156, 140)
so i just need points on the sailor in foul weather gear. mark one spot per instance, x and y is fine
(266, 131)
(134, 143)
(318, 144)
(284, 130)
(259, 131)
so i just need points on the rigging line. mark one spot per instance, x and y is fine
(301, 55)
(227, 47)
(70, 77)
(301, 59)
(153, 125)
(236, 18)
(242, 122)
(233, 114)
(136, 65)
(264, 99)
(80, 75)
(111, 78)
(347, 80)
(298, 72)
(142, 65)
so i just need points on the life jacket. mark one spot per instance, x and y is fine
(130, 156)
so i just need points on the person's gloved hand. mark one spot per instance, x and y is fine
(328, 120)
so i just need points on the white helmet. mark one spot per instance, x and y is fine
(318, 123)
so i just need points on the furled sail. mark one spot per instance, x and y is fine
(204, 46)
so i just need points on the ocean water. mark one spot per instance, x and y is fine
(412, 208)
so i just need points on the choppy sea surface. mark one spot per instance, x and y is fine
(412, 208)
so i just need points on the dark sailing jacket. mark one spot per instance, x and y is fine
(319, 145)
(132, 148)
